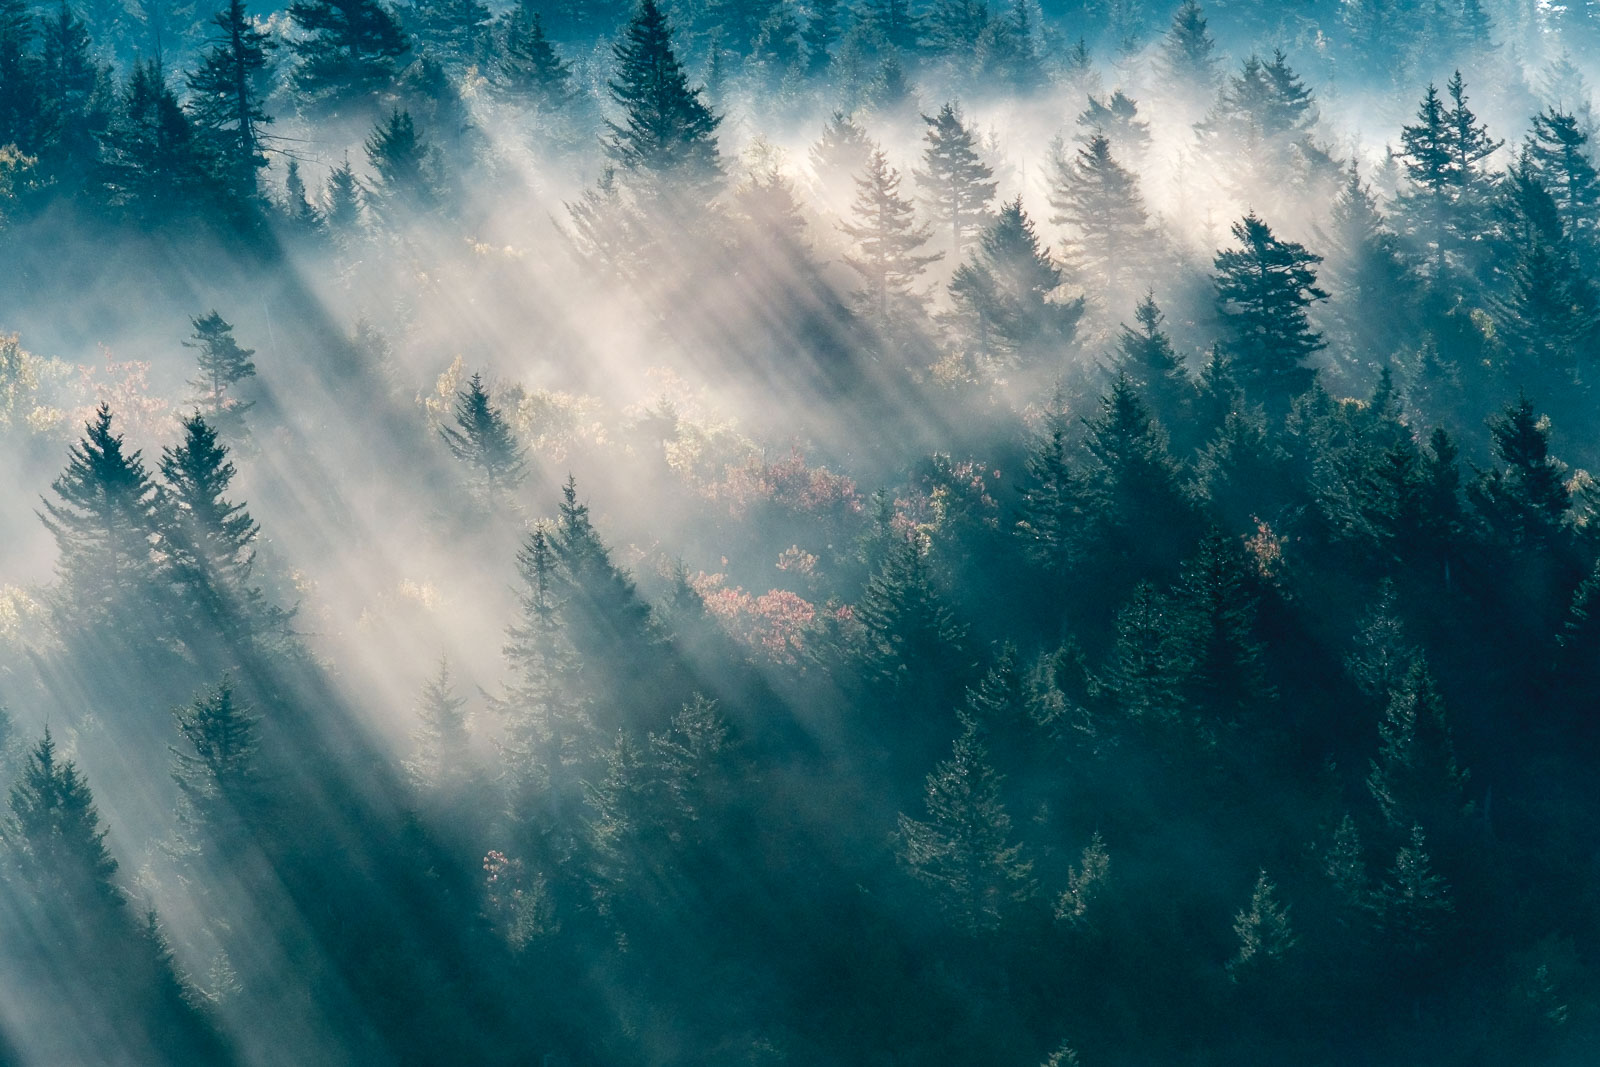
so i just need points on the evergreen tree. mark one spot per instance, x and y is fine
(1188, 61)
(667, 139)
(63, 851)
(1373, 292)
(1263, 290)
(1259, 134)
(302, 215)
(821, 34)
(912, 642)
(1005, 294)
(529, 68)
(954, 26)
(891, 22)
(1444, 153)
(225, 95)
(1051, 508)
(484, 441)
(1558, 154)
(341, 207)
(1525, 503)
(1415, 777)
(441, 741)
(1146, 359)
(1413, 903)
(1262, 928)
(348, 51)
(406, 167)
(1100, 204)
(24, 119)
(1117, 120)
(454, 31)
(77, 89)
(888, 239)
(955, 181)
(219, 772)
(221, 365)
(1383, 657)
(842, 152)
(1215, 607)
(1145, 669)
(104, 522)
(965, 850)
(153, 167)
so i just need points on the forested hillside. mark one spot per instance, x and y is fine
(749, 532)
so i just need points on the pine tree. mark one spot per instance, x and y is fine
(965, 850)
(888, 239)
(225, 95)
(667, 139)
(484, 441)
(955, 181)
(1145, 669)
(953, 26)
(1215, 607)
(912, 641)
(1146, 359)
(1004, 295)
(406, 169)
(1373, 292)
(77, 89)
(1444, 153)
(153, 167)
(441, 741)
(1100, 204)
(1259, 132)
(341, 206)
(221, 365)
(1559, 156)
(1117, 120)
(1383, 657)
(892, 22)
(1188, 61)
(1263, 930)
(302, 215)
(348, 51)
(529, 68)
(1263, 290)
(104, 523)
(1415, 777)
(219, 772)
(210, 540)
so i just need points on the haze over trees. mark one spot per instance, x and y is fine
(762, 532)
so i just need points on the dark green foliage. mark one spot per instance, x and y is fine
(1559, 156)
(1222, 676)
(221, 366)
(529, 68)
(955, 181)
(226, 95)
(1524, 501)
(218, 768)
(1099, 203)
(62, 850)
(454, 31)
(1188, 54)
(1051, 507)
(1264, 934)
(484, 441)
(1117, 120)
(1373, 293)
(407, 170)
(348, 52)
(153, 165)
(667, 140)
(1264, 288)
(1415, 778)
(1006, 298)
(341, 208)
(1145, 358)
(1444, 153)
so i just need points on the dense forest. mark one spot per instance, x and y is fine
(1016, 532)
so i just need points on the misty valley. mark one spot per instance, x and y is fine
(1033, 533)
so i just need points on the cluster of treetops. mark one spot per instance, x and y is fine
(1249, 721)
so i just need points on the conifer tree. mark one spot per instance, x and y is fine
(667, 139)
(955, 181)
(912, 640)
(1372, 289)
(1263, 290)
(1444, 154)
(153, 167)
(484, 441)
(1050, 512)
(529, 68)
(1263, 930)
(965, 851)
(341, 207)
(953, 26)
(104, 520)
(1005, 294)
(1188, 61)
(1117, 120)
(218, 771)
(1559, 155)
(454, 31)
(1145, 669)
(891, 21)
(1383, 657)
(820, 36)
(1224, 680)
(225, 95)
(406, 168)
(1145, 358)
(348, 51)
(842, 152)
(1525, 503)
(888, 239)
(63, 850)
(1413, 903)
(1260, 132)
(441, 741)
(77, 89)
(24, 121)
(1099, 203)
(221, 365)
(1415, 777)
(302, 215)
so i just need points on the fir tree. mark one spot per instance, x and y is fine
(1415, 777)
(1146, 359)
(219, 772)
(1263, 930)
(842, 152)
(301, 213)
(1444, 155)
(1383, 657)
(1051, 508)
(341, 207)
(1525, 502)
(225, 95)
(1100, 204)
(441, 741)
(406, 169)
(1004, 294)
(153, 167)
(820, 36)
(1372, 290)
(1117, 120)
(667, 139)
(455, 31)
(1188, 61)
(1413, 903)
(1559, 156)
(484, 441)
(221, 366)
(528, 67)
(62, 844)
(1224, 680)
(965, 851)
(912, 640)
(955, 181)
(347, 53)
(24, 121)
(1145, 669)
(78, 92)
(105, 521)
(888, 239)
(1263, 290)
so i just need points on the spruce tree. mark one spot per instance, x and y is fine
(1117, 120)
(104, 519)
(821, 34)
(218, 770)
(77, 88)
(1049, 515)
(888, 239)
(441, 741)
(484, 441)
(455, 32)
(1099, 203)
(666, 140)
(301, 214)
(221, 365)
(1188, 61)
(528, 67)
(1413, 903)
(341, 203)
(912, 642)
(406, 169)
(24, 119)
(842, 152)
(1444, 153)
(1146, 359)
(1559, 155)
(1263, 930)
(955, 181)
(1525, 502)
(153, 166)
(348, 51)
(225, 95)
(1263, 290)
(1372, 290)
(62, 850)
(1224, 679)
(1005, 294)
(965, 850)
(1415, 777)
